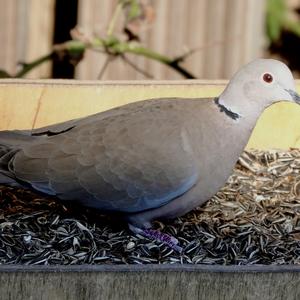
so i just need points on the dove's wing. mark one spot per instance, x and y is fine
(129, 161)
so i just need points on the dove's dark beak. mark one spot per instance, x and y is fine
(294, 96)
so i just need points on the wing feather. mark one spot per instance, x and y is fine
(129, 161)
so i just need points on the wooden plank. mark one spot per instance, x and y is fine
(204, 268)
(23, 103)
(149, 282)
(32, 104)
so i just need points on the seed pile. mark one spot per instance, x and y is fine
(254, 219)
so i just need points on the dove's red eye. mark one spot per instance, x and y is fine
(267, 77)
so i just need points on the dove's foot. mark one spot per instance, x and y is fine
(167, 239)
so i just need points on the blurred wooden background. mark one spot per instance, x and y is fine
(229, 33)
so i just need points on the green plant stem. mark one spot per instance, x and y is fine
(119, 48)
(116, 14)
(172, 63)
(27, 67)
(110, 45)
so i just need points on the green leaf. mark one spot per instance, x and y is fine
(75, 47)
(276, 17)
(134, 10)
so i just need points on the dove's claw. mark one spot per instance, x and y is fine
(167, 239)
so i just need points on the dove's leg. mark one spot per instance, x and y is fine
(141, 222)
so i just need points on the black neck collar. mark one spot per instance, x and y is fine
(227, 111)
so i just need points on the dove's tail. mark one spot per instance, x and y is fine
(10, 143)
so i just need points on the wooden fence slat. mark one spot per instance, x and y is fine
(253, 34)
(215, 31)
(232, 55)
(8, 35)
(26, 34)
(40, 19)
(196, 37)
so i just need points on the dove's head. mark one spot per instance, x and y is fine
(259, 84)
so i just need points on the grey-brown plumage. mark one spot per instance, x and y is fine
(150, 159)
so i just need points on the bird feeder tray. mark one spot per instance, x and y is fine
(29, 104)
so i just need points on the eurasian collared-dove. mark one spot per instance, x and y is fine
(152, 159)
